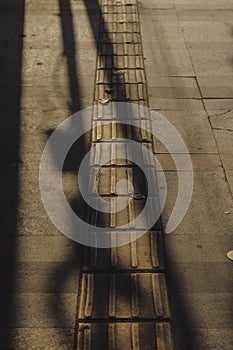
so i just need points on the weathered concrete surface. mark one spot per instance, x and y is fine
(199, 272)
(47, 72)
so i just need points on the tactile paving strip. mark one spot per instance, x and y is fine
(128, 38)
(121, 7)
(121, 26)
(120, 153)
(121, 92)
(144, 254)
(119, 17)
(130, 76)
(123, 296)
(123, 300)
(124, 336)
(119, 130)
(120, 62)
(121, 112)
(120, 49)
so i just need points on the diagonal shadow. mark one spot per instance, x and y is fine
(64, 271)
(70, 52)
(11, 45)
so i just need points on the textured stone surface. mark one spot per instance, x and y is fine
(187, 47)
(194, 128)
(216, 87)
(198, 269)
(27, 338)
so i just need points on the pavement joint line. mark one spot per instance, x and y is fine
(110, 271)
(125, 320)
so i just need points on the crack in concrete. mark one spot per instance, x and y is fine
(219, 114)
(224, 129)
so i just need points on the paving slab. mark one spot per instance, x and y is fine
(49, 5)
(160, 4)
(207, 15)
(216, 87)
(201, 310)
(178, 104)
(47, 98)
(164, 35)
(40, 277)
(198, 4)
(216, 35)
(225, 145)
(193, 127)
(160, 15)
(212, 62)
(204, 338)
(221, 120)
(211, 203)
(200, 162)
(43, 310)
(47, 249)
(196, 277)
(201, 248)
(27, 338)
(164, 63)
(218, 104)
(172, 87)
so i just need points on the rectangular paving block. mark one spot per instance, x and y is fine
(216, 87)
(36, 338)
(40, 310)
(112, 131)
(128, 38)
(39, 277)
(193, 127)
(146, 253)
(127, 336)
(206, 61)
(120, 62)
(39, 248)
(178, 104)
(121, 26)
(130, 217)
(131, 17)
(130, 76)
(203, 338)
(120, 153)
(121, 92)
(125, 111)
(218, 104)
(119, 2)
(119, 49)
(172, 87)
(108, 177)
(123, 296)
(165, 63)
(119, 8)
(159, 35)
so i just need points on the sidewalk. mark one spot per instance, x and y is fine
(188, 51)
(48, 71)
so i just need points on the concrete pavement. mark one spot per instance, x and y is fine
(188, 51)
(48, 72)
